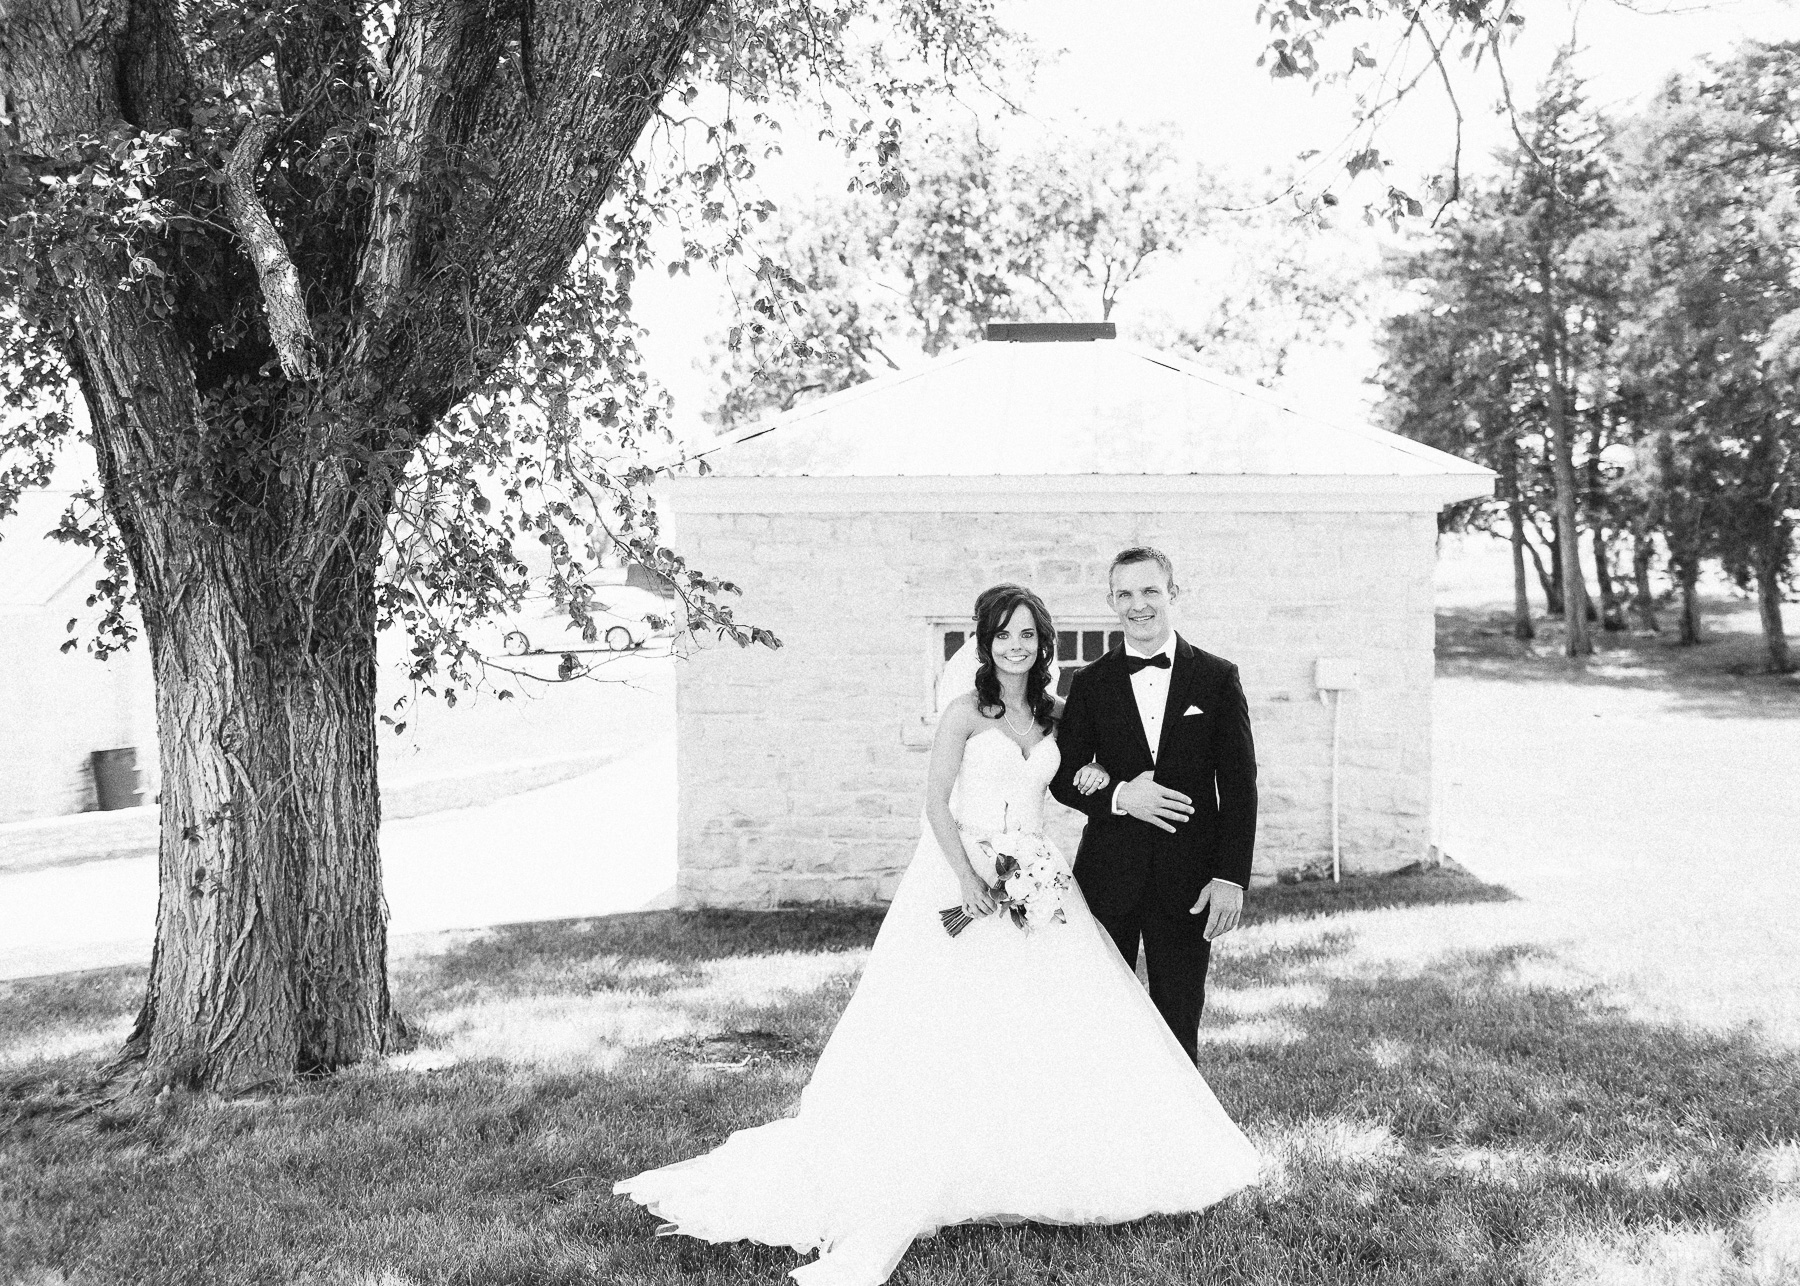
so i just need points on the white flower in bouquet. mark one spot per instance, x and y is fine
(1030, 880)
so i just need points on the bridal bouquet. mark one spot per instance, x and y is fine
(1029, 882)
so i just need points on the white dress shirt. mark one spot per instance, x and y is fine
(1150, 686)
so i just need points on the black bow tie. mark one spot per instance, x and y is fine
(1134, 663)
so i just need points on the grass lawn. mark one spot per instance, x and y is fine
(1457, 1118)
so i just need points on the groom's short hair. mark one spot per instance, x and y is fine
(1140, 554)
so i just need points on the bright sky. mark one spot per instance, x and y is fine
(1193, 63)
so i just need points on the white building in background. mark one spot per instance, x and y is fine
(861, 527)
(58, 708)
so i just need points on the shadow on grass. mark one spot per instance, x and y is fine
(1724, 674)
(1429, 886)
(1451, 1121)
(517, 957)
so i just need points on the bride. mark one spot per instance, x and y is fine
(998, 1075)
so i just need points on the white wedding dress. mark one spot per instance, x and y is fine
(998, 1076)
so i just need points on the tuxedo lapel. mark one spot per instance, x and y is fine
(1181, 678)
(1125, 700)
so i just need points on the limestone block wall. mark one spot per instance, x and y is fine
(801, 771)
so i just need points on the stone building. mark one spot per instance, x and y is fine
(58, 708)
(861, 527)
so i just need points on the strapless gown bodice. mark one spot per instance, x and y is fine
(1002, 787)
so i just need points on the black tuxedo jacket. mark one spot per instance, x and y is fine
(1209, 757)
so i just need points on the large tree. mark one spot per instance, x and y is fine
(324, 272)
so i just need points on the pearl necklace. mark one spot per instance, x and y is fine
(1006, 714)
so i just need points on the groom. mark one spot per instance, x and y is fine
(1165, 854)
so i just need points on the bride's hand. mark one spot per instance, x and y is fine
(977, 897)
(1091, 777)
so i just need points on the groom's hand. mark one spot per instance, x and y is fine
(1149, 802)
(1227, 902)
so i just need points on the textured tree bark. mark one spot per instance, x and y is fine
(1643, 601)
(1687, 577)
(283, 298)
(1577, 640)
(1549, 577)
(1768, 602)
(1610, 616)
(271, 927)
(1522, 628)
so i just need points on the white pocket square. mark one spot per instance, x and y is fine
(1192, 710)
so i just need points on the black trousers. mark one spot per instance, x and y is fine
(1176, 954)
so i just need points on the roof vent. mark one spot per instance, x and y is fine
(1050, 332)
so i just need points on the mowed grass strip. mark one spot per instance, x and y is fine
(1444, 1119)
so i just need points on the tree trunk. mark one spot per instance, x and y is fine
(271, 928)
(1522, 627)
(1642, 599)
(1515, 513)
(1768, 601)
(1552, 580)
(1577, 642)
(1547, 577)
(1687, 576)
(1609, 615)
(1611, 618)
(271, 937)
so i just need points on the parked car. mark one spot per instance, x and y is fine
(628, 618)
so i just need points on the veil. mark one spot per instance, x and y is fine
(958, 676)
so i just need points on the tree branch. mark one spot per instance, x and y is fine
(282, 299)
(440, 64)
(1437, 58)
(601, 68)
(155, 85)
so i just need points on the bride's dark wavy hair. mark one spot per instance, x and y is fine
(993, 609)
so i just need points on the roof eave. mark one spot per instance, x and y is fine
(1037, 493)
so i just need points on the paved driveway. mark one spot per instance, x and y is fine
(592, 845)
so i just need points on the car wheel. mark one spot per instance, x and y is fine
(618, 639)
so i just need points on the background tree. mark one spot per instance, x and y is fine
(1557, 193)
(1062, 231)
(1511, 325)
(324, 272)
(1712, 227)
(1460, 373)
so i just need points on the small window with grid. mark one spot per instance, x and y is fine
(1075, 648)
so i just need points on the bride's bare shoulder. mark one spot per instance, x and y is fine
(961, 716)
